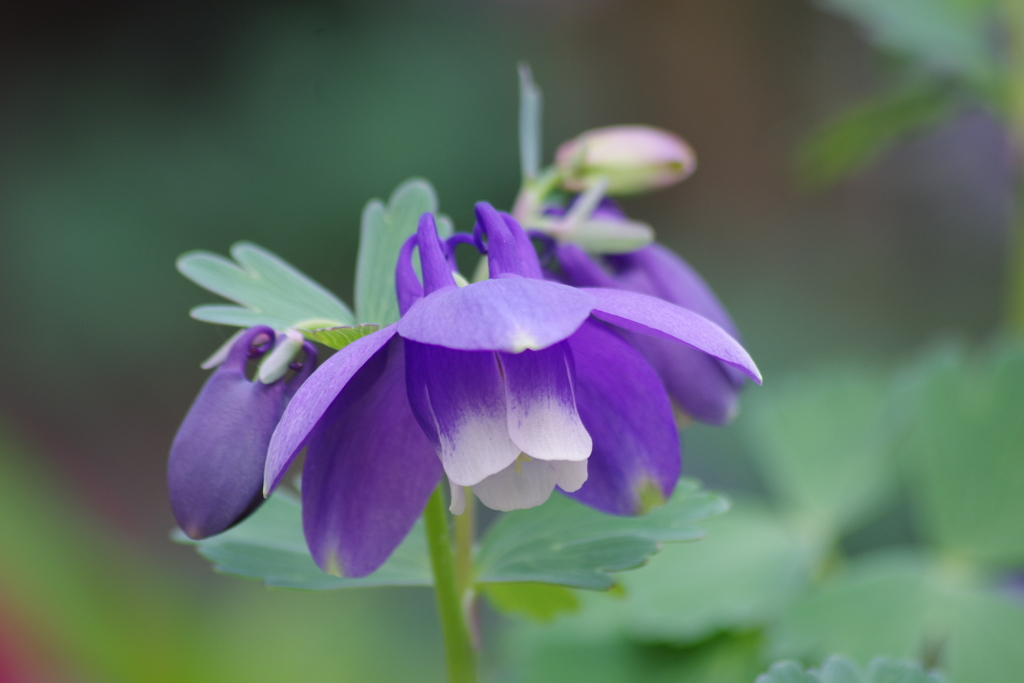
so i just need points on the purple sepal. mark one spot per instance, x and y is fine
(407, 286)
(215, 469)
(369, 470)
(636, 458)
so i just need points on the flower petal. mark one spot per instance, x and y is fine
(625, 408)
(542, 417)
(313, 399)
(648, 315)
(216, 461)
(700, 384)
(505, 314)
(458, 398)
(527, 483)
(369, 470)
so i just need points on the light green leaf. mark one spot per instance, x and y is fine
(855, 138)
(339, 337)
(383, 231)
(269, 291)
(842, 670)
(566, 543)
(965, 455)
(904, 605)
(270, 546)
(539, 601)
(742, 576)
(949, 36)
(825, 442)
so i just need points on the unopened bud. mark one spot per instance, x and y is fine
(634, 159)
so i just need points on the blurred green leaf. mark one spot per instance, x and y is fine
(966, 454)
(741, 576)
(383, 231)
(842, 670)
(566, 543)
(825, 442)
(269, 290)
(949, 36)
(903, 605)
(339, 337)
(539, 601)
(858, 136)
(270, 546)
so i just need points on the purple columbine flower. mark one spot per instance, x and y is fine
(704, 387)
(215, 470)
(512, 386)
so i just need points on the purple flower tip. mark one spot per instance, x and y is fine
(215, 470)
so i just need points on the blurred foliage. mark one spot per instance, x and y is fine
(842, 450)
(946, 57)
(841, 670)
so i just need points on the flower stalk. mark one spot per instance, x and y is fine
(459, 652)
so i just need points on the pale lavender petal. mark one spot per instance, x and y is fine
(216, 461)
(505, 314)
(313, 399)
(369, 470)
(458, 498)
(542, 417)
(458, 398)
(636, 458)
(651, 316)
(528, 483)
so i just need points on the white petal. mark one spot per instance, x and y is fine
(528, 482)
(541, 400)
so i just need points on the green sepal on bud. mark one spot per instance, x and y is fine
(634, 159)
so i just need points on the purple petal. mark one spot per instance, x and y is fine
(542, 417)
(636, 458)
(505, 314)
(528, 483)
(580, 270)
(503, 256)
(369, 470)
(216, 462)
(529, 265)
(458, 398)
(407, 286)
(313, 399)
(698, 383)
(436, 272)
(648, 315)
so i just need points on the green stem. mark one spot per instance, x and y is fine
(464, 544)
(1013, 15)
(457, 644)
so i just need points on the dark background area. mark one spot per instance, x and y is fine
(133, 132)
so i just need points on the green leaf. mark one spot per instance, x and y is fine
(825, 442)
(949, 36)
(566, 543)
(855, 138)
(742, 576)
(383, 231)
(270, 546)
(965, 455)
(339, 337)
(905, 605)
(269, 290)
(539, 601)
(842, 670)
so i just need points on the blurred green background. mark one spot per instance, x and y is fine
(133, 132)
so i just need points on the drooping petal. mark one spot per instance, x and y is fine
(542, 417)
(313, 399)
(700, 384)
(369, 470)
(216, 462)
(651, 316)
(506, 314)
(458, 398)
(636, 458)
(528, 483)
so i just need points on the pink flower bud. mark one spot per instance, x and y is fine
(634, 159)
